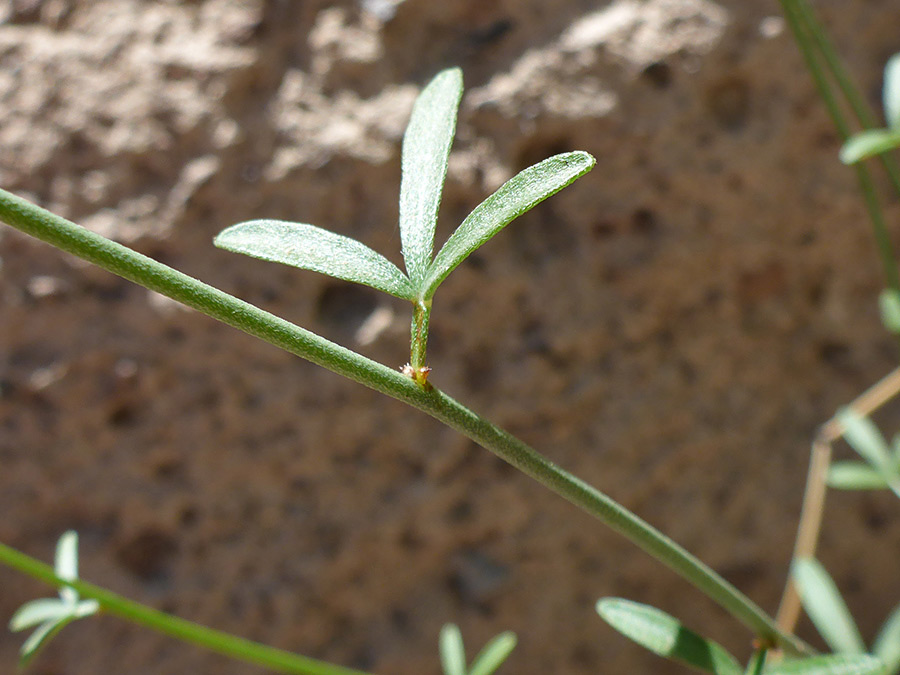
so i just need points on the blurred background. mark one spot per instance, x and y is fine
(673, 328)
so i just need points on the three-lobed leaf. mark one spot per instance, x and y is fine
(833, 664)
(664, 635)
(825, 606)
(519, 194)
(312, 248)
(424, 157)
(51, 615)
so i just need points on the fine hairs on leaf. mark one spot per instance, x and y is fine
(426, 149)
(312, 248)
(425, 153)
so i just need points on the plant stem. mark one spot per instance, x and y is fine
(217, 304)
(861, 110)
(794, 15)
(813, 509)
(277, 660)
(419, 340)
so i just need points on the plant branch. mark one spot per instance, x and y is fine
(217, 304)
(813, 509)
(860, 108)
(794, 14)
(235, 647)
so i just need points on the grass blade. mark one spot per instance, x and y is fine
(426, 147)
(833, 664)
(453, 652)
(494, 654)
(519, 194)
(825, 606)
(37, 611)
(887, 644)
(855, 476)
(891, 92)
(664, 635)
(869, 143)
(312, 248)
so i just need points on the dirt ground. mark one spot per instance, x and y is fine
(673, 327)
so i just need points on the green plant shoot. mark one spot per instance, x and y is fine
(425, 153)
(51, 615)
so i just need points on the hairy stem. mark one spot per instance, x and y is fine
(419, 340)
(235, 647)
(219, 305)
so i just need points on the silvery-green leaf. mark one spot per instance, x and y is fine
(38, 611)
(664, 635)
(889, 304)
(887, 644)
(891, 92)
(426, 147)
(453, 653)
(855, 476)
(825, 606)
(312, 248)
(869, 143)
(864, 437)
(519, 194)
(66, 564)
(39, 639)
(833, 664)
(494, 654)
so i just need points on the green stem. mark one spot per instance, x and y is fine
(794, 15)
(419, 339)
(861, 110)
(217, 304)
(277, 660)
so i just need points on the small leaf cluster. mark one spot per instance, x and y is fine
(666, 636)
(828, 612)
(491, 657)
(51, 615)
(424, 158)
(876, 141)
(881, 468)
